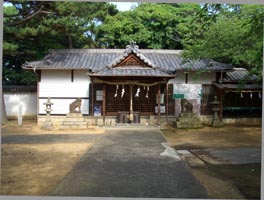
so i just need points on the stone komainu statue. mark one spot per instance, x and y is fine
(76, 104)
(186, 106)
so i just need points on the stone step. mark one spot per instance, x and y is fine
(74, 119)
(63, 126)
(74, 115)
(187, 115)
(74, 123)
(196, 119)
(81, 123)
(189, 122)
(46, 123)
(189, 126)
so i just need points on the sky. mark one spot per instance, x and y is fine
(123, 6)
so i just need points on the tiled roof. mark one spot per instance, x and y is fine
(132, 48)
(237, 87)
(239, 74)
(96, 60)
(132, 72)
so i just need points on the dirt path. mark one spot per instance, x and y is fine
(40, 159)
(35, 168)
(208, 137)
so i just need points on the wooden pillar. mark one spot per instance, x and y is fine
(37, 102)
(38, 81)
(221, 104)
(104, 102)
(167, 101)
(158, 104)
(92, 110)
(131, 117)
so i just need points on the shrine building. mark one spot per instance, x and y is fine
(135, 85)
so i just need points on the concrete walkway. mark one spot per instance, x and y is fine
(238, 155)
(127, 163)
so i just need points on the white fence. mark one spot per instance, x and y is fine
(28, 101)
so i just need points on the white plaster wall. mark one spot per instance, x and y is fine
(62, 106)
(57, 83)
(74, 89)
(28, 100)
(180, 78)
(190, 91)
(204, 78)
(55, 76)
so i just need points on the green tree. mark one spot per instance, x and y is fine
(33, 27)
(151, 25)
(235, 36)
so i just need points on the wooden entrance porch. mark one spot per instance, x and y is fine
(130, 100)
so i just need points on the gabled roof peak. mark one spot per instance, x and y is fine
(132, 47)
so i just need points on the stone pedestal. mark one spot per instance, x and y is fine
(47, 125)
(216, 122)
(188, 120)
(74, 121)
(152, 120)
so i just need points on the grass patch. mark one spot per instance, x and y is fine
(246, 177)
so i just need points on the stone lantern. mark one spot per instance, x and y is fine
(216, 122)
(48, 123)
(48, 106)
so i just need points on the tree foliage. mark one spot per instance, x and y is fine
(227, 33)
(151, 25)
(235, 36)
(33, 27)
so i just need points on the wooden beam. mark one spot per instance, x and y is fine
(167, 101)
(131, 117)
(128, 82)
(37, 102)
(104, 102)
(186, 77)
(221, 104)
(63, 97)
(158, 104)
(92, 110)
(72, 76)
(38, 72)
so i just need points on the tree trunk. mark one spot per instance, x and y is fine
(70, 42)
(3, 117)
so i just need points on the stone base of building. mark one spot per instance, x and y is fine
(188, 120)
(74, 121)
(149, 120)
